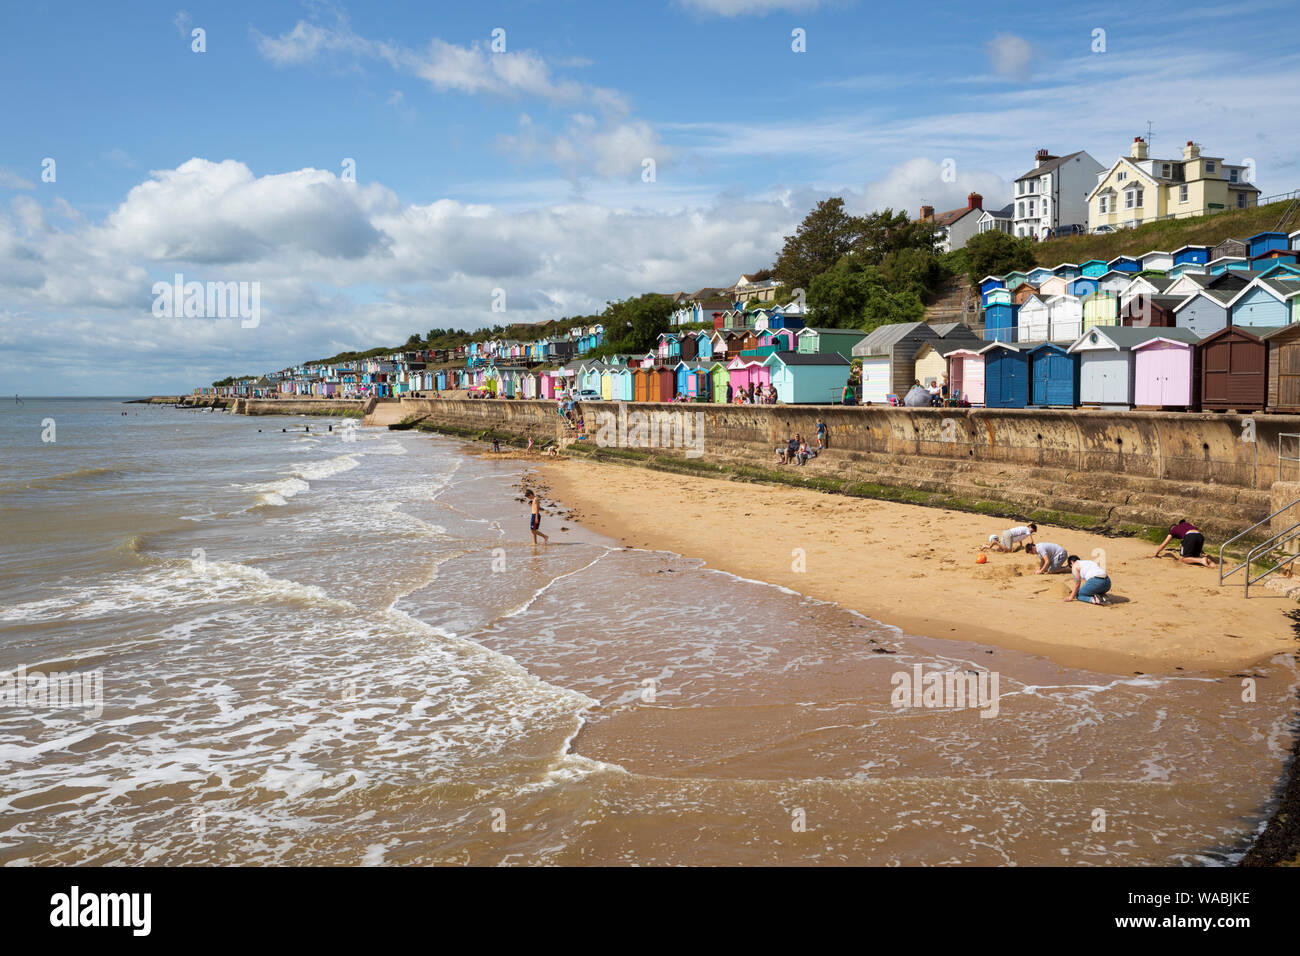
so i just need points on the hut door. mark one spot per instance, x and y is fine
(1288, 375)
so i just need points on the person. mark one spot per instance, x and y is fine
(943, 389)
(791, 449)
(496, 446)
(821, 434)
(1051, 557)
(728, 393)
(1091, 582)
(935, 397)
(751, 393)
(535, 518)
(1192, 546)
(802, 454)
(1011, 539)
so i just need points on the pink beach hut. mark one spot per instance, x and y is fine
(747, 369)
(966, 375)
(1164, 371)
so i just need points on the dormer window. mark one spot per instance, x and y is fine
(1164, 170)
(1209, 165)
(1123, 175)
(1232, 176)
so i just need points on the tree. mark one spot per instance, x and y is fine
(994, 253)
(838, 296)
(825, 236)
(885, 231)
(633, 325)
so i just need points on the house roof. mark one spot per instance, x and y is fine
(1126, 337)
(945, 329)
(807, 358)
(1050, 165)
(1006, 212)
(945, 219)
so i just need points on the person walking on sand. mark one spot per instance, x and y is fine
(1192, 544)
(1090, 582)
(1011, 539)
(1051, 557)
(535, 518)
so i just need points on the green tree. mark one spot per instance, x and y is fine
(822, 239)
(838, 296)
(633, 325)
(885, 231)
(994, 253)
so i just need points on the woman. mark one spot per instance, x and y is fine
(1090, 582)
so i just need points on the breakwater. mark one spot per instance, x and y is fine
(1114, 469)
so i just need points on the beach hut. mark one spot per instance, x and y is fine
(1057, 285)
(718, 379)
(1262, 242)
(1124, 264)
(1204, 313)
(689, 345)
(1108, 362)
(1158, 261)
(987, 285)
(1023, 292)
(930, 365)
(1150, 311)
(804, 379)
(1002, 296)
(1067, 270)
(888, 355)
(1284, 370)
(1263, 303)
(1006, 376)
(1193, 255)
(1014, 279)
(1083, 285)
(746, 370)
(1224, 263)
(1234, 369)
(1065, 315)
(1035, 276)
(999, 322)
(813, 341)
(1034, 321)
(546, 385)
(687, 379)
(1186, 268)
(1100, 309)
(1165, 371)
(1114, 281)
(1094, 267)
(622, 387)
(966, 374)
(1054, 373)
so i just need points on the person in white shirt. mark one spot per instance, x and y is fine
(1090, 584)
(1012, 538)
(1051, 557)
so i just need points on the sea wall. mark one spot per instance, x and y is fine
(1235, 450)
(300, 406)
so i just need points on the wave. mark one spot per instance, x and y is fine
(44, 482)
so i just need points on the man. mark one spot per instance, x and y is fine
(1051, 557)
(1192, 544)
(728, 393)
(535, 519)
(1012, 538)
(821, 434)
(1091, 582)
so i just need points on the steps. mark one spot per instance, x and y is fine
(953, 302)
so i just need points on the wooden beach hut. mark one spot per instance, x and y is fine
(1284, 370)
(1034, 321)
(966, 374)
(1022, 293)
(718, 379)
(1165, 370)
(745, 370)
(1205, 312)
(1108, 362)
(813, 341)
(1065, 315)
(691, 379)
(1006, 376)
(1234, 370)
(1264, 303)
(807, 379)
(1054, 373)
(1056, 285)
(888, 358)
(930, 365)
(1150, 311)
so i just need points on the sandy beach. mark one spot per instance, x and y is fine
(915, 568)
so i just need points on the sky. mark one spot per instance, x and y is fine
(367, 171)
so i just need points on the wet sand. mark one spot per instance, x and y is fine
(914, 567)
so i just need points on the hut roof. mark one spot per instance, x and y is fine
(807, 358)
(1126, 337)
(883, 339)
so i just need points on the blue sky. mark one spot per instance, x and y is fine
(522, 170)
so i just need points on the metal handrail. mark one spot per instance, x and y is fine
(1227, 574)
(1261, 549)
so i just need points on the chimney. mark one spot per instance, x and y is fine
(1139, 150)
(1191, 151)
(1041, 157)
(974, 201)
(927, 212)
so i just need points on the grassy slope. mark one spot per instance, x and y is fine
(1165, 235)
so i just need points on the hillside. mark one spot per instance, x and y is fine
(1165, 235)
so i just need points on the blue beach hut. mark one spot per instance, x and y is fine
(1000, 322)
(1006, 376)
(1055, 375)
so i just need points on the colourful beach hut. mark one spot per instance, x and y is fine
(1095, 267)
(1107, 362)
(1006, 376)
(1284, 370)
(1204, 313)
(718, 379)
(966, 374)
(804, 379)
(1054, 373)
(1234, 369)
(1165, 372)
(746, 370)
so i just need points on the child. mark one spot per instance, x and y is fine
(535, 518)
(1010, 539)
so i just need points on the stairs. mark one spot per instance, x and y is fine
(953, 302)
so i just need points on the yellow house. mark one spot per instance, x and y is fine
(1138, 189)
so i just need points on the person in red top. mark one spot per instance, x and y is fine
(1192, 544)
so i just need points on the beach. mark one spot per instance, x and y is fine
(914, 567)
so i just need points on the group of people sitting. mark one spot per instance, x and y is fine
(1091, 581)
(797, 451)
(753, 395)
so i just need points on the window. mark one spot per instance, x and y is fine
(1232, 175)
(1182, 193)
(1209, 165)
(1020, 211)
(1132, 199)
(1122, 176)
(1103, 205)
(1031, 209)
(1241, 200)
(1164, 170)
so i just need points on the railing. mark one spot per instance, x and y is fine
(1272, 544)
(1224, 574)
(1281, 457)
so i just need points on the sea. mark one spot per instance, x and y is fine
(290, 640)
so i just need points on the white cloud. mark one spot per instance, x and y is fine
(1010, 55)
(736, 8)
(340, 265)
(11, 180)
(182, 23)
(921, 180)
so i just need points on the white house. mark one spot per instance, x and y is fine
(1054, 193)
(955, 226)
